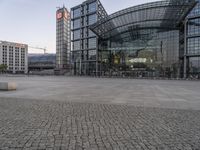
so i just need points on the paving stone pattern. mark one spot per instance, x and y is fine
(60, 125)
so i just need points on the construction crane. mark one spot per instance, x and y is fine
(44, 49)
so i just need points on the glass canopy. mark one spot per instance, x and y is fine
(166, 14)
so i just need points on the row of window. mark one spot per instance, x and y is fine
(11, 56)
(16, 68)
(83, 44)
(92, 7)
(84, 55)
(61, 26)
(85, 32)
(10, 63)
(11, 48)
(89, 20)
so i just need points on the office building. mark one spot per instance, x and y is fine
(149, 40)
(63, 39)
(84, 41)
(157, 39)
(14, 56)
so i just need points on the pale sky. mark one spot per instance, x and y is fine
(33, 21)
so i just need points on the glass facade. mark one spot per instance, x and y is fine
(194, 69)
(40, 62)
(193, 46)
(92, 55)
(158, 39)
(196, 10)
(90, 33)
(192, 54)
(146, 55)
(145, 40)
(76, 34)
(42, 59)
(76, 24)
(92, 19)
(92, 43)
(193, 27)
(76, 13)
(84, 40)
(76, 45)
(92, 7)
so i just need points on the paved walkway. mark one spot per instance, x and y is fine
(147, 93)
(113, 123)
(75, 126)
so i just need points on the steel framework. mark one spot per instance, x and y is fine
(162, 14)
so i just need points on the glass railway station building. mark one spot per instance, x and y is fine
(158, 39)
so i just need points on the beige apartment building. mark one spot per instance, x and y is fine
(15, 56)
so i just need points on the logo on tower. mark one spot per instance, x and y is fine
(59, 15)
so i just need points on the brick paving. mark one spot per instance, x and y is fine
(60, 125)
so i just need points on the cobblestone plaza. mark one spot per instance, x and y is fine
(96, 113)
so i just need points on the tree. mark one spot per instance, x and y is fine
(3, 68)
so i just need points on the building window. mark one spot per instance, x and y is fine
(76, 34)
(76, 13)
(194, 65)
(76, 45)
(92, 43)
(194, 27)
(193, 46)
(92, 54)
(92, 7)
(91, 33)
(92, 19)
(76, 23)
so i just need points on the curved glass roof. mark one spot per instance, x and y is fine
(166, 14)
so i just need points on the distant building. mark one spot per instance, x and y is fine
(63, 46)
(85, 42)
(39, 62)
(15, 56)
